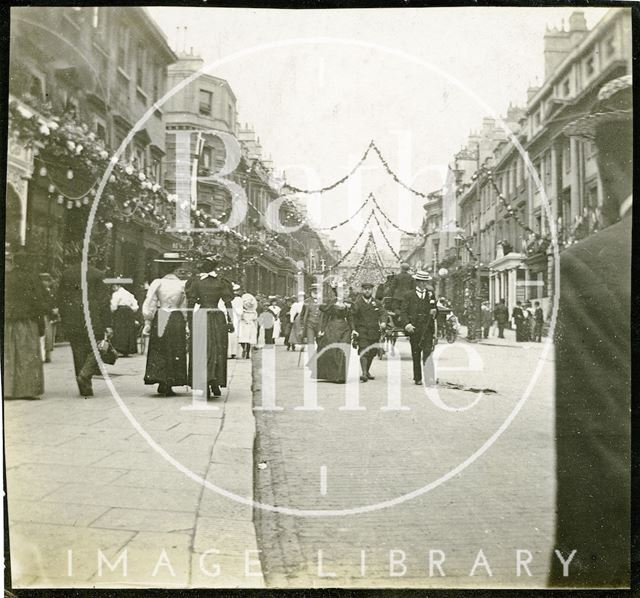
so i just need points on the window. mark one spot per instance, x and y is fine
(590, 66)
(123, 41)
(206, 158)
(156, 170)
(230, 115)
(100, 128)
(567, 157)
(610, 46)
(37, 86)
(547, 170)
(536, 119)
(139, 160)
(140, 66)
(206, 101)
(156, 79)
(566, 87)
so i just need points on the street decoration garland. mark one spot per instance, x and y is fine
(345, 255)
(372, 146)
(370, 248)
(511, 213)
(393, 224)
(384, 236)
(66, 150)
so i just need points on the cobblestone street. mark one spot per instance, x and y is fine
(333, 459)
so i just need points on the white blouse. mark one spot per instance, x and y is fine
(164, 293)
(123, 298)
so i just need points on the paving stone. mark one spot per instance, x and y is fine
(145, 520)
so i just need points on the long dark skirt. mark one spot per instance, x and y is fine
(124, 331)
(332, 365)
(167, 354)
(23, 373)
(217, 347)
(521, 334)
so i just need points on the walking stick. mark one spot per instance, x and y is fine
(300, 354)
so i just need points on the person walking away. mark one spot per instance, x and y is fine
(419, 313)
(236, 307)
(335, 326)
(501, 316)
(286, 321)
(167, 351)
(369, 318)
(486, 319)
(310, 318)
(72, 314)
(518, 319)
(205, 291)
(593, 366)
(26, 304)
(248, 327)
(51, 318)
(296, 334)
(538, 316)
(270, 317)
(400, 285)
(123, 309)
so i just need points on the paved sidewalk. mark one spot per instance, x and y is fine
(80, 478)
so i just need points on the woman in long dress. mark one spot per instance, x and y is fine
(123, 309)
(167, 354)
(236, 307)
(335, 327)
(207, 290)
(26, 304)
(296, 333)
(248, 329)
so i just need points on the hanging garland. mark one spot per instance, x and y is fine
(393, 224)
(64, 144)
(372, 146)
(384, 236)
(344, 256)
(511, 213)
(370, 247)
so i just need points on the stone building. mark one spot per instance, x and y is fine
(103, 67)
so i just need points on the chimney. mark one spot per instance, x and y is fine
(577, 28)
(557, 45)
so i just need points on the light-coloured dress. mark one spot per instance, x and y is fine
(248, 326)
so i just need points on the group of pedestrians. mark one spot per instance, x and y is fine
(529, 321)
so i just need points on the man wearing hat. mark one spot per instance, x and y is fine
(400, 285)
(369, 318)
(593, 359)
(419, 312)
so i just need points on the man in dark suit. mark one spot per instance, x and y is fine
(72, 314)
(593, 367)
(419, 313)
(501, 315)
(369, 318)
(400, 285)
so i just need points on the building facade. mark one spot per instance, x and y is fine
(554, 185)
(261, 258)
(99, 69)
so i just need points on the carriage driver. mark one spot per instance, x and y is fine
(369, 318)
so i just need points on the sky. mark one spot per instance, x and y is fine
(416, 81)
